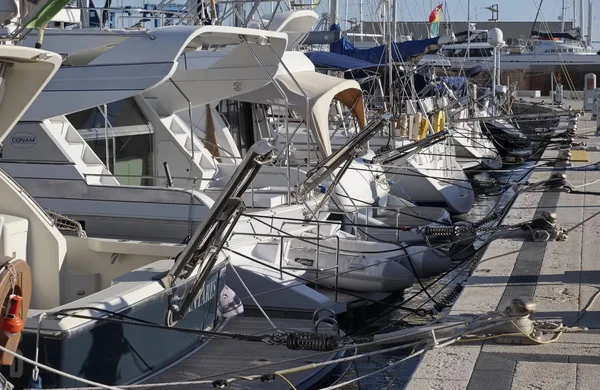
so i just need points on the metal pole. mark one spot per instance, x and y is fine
(498, 66)
(346, 13)
(590, 19)
(494, 80)
(106, 146)
(394, 20)
(552, 87)
(562, 17)
(581, 17)
(389, 60)
(360, 20)
(537, 14)
(114, 144)
(189, 102)
(468, 29)
(333, 11)
(192, 136)
(238, 19)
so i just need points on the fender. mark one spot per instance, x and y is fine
(13, 272)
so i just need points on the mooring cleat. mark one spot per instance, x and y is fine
(521, 306)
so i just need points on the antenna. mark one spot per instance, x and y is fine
(494, 9)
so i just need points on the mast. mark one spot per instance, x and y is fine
(394, 21)
(346, 13)
(590, 19)
(389, 57)
(562, 17)
(333, 11)
(468, 28)
(536, 18)
(581, 17)
(360, 20)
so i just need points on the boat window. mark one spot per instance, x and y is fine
(240, 120)
(481, 37)
(130, 156)
(123, 114)
(130, 139)
(480, 52)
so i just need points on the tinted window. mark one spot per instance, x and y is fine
(121, 113)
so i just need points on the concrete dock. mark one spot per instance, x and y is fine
(561, 277)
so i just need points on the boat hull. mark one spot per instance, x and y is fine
(118, 353)
(429, 187)
(508, 140)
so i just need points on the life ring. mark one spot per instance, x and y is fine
(15, 278)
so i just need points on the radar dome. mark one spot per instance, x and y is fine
(496, 37)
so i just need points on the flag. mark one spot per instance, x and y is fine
(434, 20)
(46, 13)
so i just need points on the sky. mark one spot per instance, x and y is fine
(456, 10)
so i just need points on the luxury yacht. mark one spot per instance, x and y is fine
(543, 50)
(57, 272)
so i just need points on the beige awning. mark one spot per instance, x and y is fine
(321, 90)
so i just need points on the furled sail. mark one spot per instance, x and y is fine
(30, 14)
(36, 15)
(401, 51)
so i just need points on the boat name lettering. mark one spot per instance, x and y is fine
(208, 294)
(306, 262)
(23, 140)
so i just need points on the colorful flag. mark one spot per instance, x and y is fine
(434, 20)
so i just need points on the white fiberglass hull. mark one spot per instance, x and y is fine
(474, 149)
(440, 183)
(354, 272)
(431, 178)
(349, 263)
(521, 61)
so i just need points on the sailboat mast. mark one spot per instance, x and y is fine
(469, 29)
(333, 11)
(562, 17)
(346, 13)
(536, 18)
(581, 17)
(389, 58)
(360, 20)
(394, 20)
(590, 19)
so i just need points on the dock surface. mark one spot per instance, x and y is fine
(225, 359)
(561, 277)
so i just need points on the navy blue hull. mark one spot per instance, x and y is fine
(117, 353)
